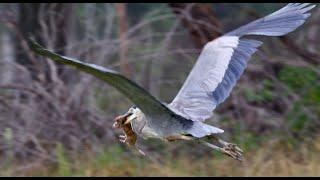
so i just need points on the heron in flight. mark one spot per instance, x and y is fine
(219, 66)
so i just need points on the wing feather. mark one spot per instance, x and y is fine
(145, 101)
(279, 23)
(223, 60)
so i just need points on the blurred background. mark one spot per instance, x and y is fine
(56, 121)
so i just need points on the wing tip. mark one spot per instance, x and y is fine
(33, 44)
(274, 24)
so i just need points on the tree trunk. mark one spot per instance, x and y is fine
(121, 10)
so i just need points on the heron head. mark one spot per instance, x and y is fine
(126, 118)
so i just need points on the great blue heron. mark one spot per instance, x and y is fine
(219, 66)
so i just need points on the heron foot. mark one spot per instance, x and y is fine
(233, 151)
(229, 149)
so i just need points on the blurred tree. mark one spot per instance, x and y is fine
(200, 20)
(47, 23)
(121, 10)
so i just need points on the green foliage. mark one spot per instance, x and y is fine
(301, 81)
(8, 137)
(247, 140)
(304, 82)
(298, 119)
(112, 155)
(264, 94)
(64, 168)
(314, 94)
(298, 78)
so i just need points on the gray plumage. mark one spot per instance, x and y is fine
(220, 65)
(237, 65)
(194, 100)
(279, 23)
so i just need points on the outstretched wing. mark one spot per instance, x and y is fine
(279, 23)
(223, 60)
(145, 101)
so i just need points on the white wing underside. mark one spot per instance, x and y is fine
(193, 100)
(223, 60)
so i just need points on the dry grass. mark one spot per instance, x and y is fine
(271, 159)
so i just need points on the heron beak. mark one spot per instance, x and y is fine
(122, 119)
(130, 117)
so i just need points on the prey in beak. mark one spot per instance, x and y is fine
(122, 120)
(129, 137)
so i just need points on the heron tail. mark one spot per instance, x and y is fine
(200, 129)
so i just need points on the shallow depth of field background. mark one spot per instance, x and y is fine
(56, 121)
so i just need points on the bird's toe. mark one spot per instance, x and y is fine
(234, 151)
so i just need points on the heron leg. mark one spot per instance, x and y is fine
(140, 151)
(178, 137)
(229, 149)
(136, 148)
(211, 145)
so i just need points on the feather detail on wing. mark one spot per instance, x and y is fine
(145, 101)
(279, 23)
(217, 70)
(223, 60)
